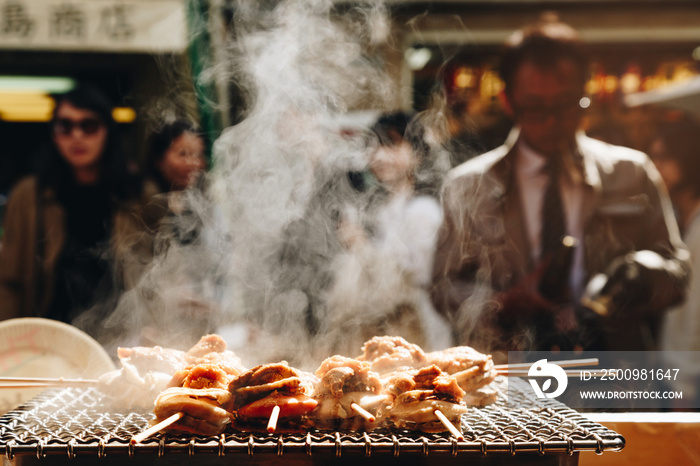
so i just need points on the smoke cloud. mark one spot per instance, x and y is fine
(256, 256)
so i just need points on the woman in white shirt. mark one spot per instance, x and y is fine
(381, 280)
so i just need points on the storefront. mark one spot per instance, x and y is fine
(124, 47)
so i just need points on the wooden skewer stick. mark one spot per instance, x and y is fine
(47, 380)
(157, 428)
(37, 385)
(272, 423)
(369, 417)
(565, 363)
(446, 422)
(569, 373)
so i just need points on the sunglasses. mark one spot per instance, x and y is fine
(65, 126)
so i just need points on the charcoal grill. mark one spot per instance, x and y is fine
(73, 423)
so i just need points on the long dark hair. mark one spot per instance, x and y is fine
(116, 177)
(393, 128)
(161, 139)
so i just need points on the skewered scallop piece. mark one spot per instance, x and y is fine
(271, 390)
(202, 409)
(472, 369)
(349, 395)
(425, 399)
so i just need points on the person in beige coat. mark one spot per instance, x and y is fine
(616, 261)
(74, 233)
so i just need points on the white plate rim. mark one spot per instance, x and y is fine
(98, 359)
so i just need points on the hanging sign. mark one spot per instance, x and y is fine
(93, 25)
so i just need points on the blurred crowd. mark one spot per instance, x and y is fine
(81, 228)
(526, 234)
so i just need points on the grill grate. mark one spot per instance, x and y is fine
(75, 421)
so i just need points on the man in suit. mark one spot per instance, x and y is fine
(533, 224)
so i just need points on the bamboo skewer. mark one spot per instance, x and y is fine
(274, 417)
(565, 363)
(569, 373)
(156, 428)
(369, 417)
(48, 381)
(37, 385)
(446, 422)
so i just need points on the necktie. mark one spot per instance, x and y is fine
(553, 218)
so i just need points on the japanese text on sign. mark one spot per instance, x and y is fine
(135, 25)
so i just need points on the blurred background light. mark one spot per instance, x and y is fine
(27, 99)
(25, 105)
(696, 53)
(464, 78)
(46, 84)
(417, 58)
(123, 114)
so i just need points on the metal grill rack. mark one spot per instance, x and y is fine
(74, 422)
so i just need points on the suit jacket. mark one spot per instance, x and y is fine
(483, 247)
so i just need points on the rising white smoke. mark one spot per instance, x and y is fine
(280, 174)
(257, 258)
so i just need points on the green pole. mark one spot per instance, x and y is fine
(200, 55)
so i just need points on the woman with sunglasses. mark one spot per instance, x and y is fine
(72, 229)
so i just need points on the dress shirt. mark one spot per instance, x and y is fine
(532, 179)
